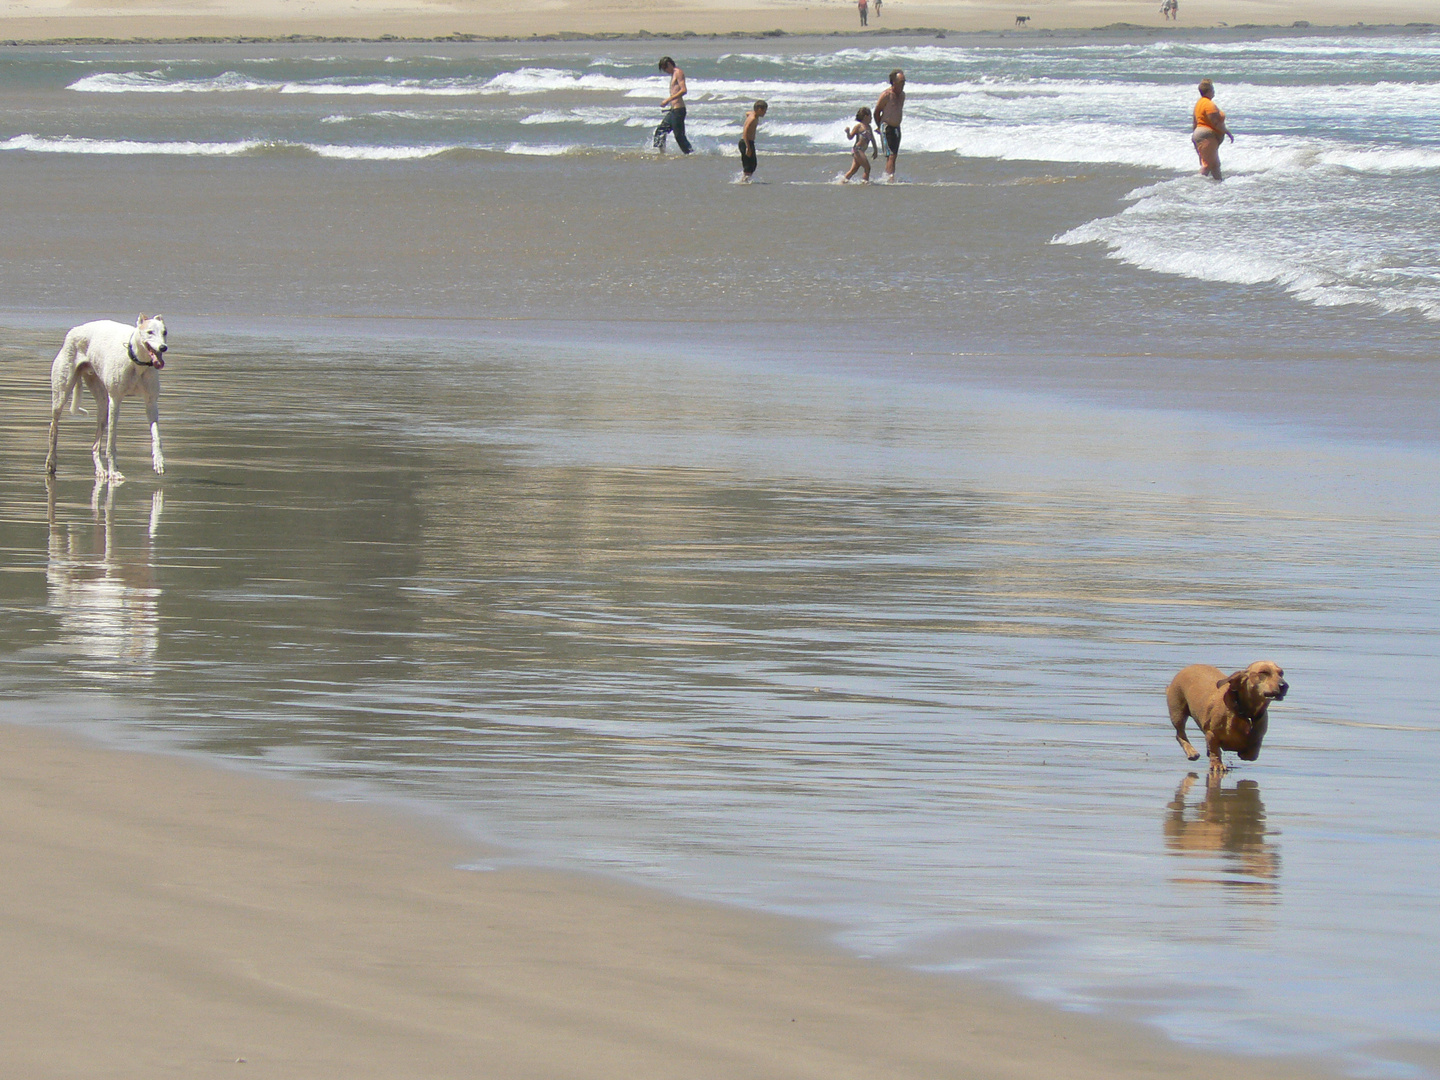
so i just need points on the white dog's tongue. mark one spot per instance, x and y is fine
(154, 356)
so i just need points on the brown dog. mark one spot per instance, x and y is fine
(1230, 710)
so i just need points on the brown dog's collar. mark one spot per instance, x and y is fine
(1239, 704)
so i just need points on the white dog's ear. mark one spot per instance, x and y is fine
(140, 321)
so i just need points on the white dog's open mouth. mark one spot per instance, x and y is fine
(155, 358)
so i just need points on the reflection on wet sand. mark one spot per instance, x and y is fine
(1227, 831)
(106, 599)
(812, 644)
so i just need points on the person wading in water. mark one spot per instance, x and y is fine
(889, 111)
(674, 120)
(1209, 131)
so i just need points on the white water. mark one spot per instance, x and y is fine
(1334, 177)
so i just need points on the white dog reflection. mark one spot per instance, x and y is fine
(106, 599)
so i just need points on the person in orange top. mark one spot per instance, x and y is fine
(1209, 131)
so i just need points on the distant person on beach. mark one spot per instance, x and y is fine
(747, 139)
(1209, 130)
(864, 12)
(674, 120)
(889, 111)
(861, 136)
(877, 9)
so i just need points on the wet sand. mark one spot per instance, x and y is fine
(604, 247)
(163, 918)
(649, 617)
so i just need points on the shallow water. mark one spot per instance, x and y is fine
(820, 549)
(1335, 176)
(881, 653)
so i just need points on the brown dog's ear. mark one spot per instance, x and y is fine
(1232, 684)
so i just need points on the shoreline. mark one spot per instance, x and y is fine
(1121, 30)
(185, 917)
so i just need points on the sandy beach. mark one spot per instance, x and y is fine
(783, 578)
(160, 918)
(45, 20)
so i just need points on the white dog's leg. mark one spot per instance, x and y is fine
(157, 507)
(63, 384)
(102, 427)
(115, 475)
(152, 410)
(54, 439)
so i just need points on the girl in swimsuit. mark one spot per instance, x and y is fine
(1209, 131)
(862, 135)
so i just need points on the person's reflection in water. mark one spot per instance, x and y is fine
(1226, 830)
(106, 599)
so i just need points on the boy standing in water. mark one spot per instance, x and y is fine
(675, 118)
(747, 139)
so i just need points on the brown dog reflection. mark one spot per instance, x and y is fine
(1228, 825)
(1232, 711)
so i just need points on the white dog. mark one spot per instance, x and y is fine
(114, 361)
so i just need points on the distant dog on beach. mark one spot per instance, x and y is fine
(1021, 20)
(113, 361)
(1232, 711)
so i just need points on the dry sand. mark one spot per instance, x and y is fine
(31, 20)
(161, 917)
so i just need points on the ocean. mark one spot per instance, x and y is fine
(1333, 198)
(820, 549)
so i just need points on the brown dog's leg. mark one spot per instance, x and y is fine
(1258, 727)
(1179, 713)
(1217, 766)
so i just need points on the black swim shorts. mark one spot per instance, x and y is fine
(892, 139)
(747, 156)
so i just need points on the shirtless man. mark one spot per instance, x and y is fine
(747, 138)
(675, 118)
(889, 111)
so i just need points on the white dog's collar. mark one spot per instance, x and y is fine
(130, 348)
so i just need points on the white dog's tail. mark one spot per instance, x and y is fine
(62, 373)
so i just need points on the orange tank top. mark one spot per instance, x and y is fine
(1208, 114)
